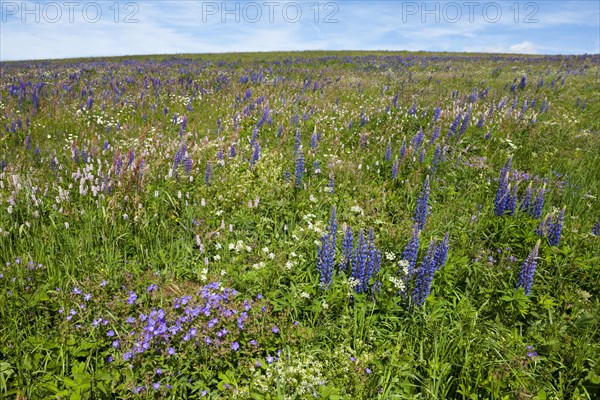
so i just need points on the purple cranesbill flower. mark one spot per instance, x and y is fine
(87, 297)
(75, 290)
(275, 329)
(115, 344)
(110, 333)
(171, 351)
(235, 346)
(156, 385)
(151, 288)
(525, 279)
(158, 371)
(132, 297)
(269, 359)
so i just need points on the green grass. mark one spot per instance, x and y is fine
(71, 228)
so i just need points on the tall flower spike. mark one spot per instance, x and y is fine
(555, 228)
(347, 244)
(403, 149)
(395, 169)
(411, 250)
(528, 270)
(526, 201)
(441, 253)
(388, 152)
(420, 215)
(299, 169)
(424, 277)
(538, 203)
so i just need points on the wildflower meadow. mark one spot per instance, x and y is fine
(302, 225)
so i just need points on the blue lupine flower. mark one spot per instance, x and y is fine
(299, 169)
(502, 194)
(313, 140)
(542, 229)
(424, 276)
(420, 215)
(395, 169)
(538, 203)
(232, 152)
(403, 149)
(297, 141)
(436, 157)
(525, 279)
(511, 201)
(453, 126)
(188, 165)
(434, 135)
(555, 228)
(255, 155)
(325, 260)
(596, 229)
(465, 123)
(441, 253)
(347, 243)
(388, 152)
(179, 156)
(436, 113)
(526, 201)
(331, 184)
(411, 250)
(417, 140)
(422, 156)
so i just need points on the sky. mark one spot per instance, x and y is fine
(80, 28)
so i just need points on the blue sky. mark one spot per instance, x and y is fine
(60, 29)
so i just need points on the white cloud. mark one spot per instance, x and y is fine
(525, 47)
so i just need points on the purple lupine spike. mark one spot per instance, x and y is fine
(299, 169)
(255, 155)
(360, 256)
(208, 173)
(188, 165)
(424, 277)
(422, 156)
(596, 229)
(412, 249)
(417, 140)
(332, 227)
(538, 203)
(232, 152)
(465, 123)
(555, 228)
(388, 152)
(220, 155)
(420, 215)
(542, 229)
(481, 121)
(434, 135)
(370, 264)
(453, 126)
(511, 201)
(525, 279)
(313, 140)
(403, 149)
(525, 205)
(436, 113)
(331, 184)
(395, 169)
(441, 252)
(502, 195)
(347, 244)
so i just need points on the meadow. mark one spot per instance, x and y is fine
(332, 225)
